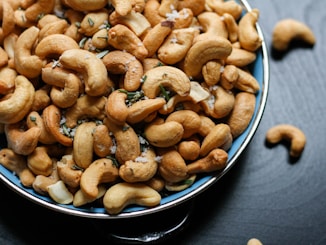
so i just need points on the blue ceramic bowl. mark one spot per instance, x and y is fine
(260, 69)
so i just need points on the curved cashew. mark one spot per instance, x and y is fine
(167, 76)
(172, 167)
(93, 21)
(25, 63)
(176, 45)
(83, 144)
(189, 120)
(52, 118)
(246, 82)
(56, 27)
(60, 193)
(39, 161)
(85, 107)
(141, 109)
(151, 12)
(123, 7)
(197, 6)
(143, 168)
(157, 183)
(287, 132)
(248, 36)
(206, 125)
(189, 149)
(288, 30)
(34, 119)
(33, 12)
(240, 57)
(167, 6)
(20, 19)
(102, 141)
(211, 72)
(217, 137)
(54, 45)
(22, 142)
(17, 164)
(86, 5)
(156, 36)
(8, 19)
(212, 25)
(214, 161)
(67, 171)
(41, 182)
(123, 194)
(9, 43)
(73, 17)
(231, 26)
(122, 38)
(41, 98)
(164, 134)
(203, 51)
(7, 80)
(90, 66)
(241, 115)
(127, 141)
(100, 171)
(65, 86)
(232, 7)
(119, 62)
(229, 77)
(46, 19)
(136, 21)
(116, 108)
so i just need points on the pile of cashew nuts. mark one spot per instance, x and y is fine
(117, 101)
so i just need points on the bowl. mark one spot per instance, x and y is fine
(260, 70)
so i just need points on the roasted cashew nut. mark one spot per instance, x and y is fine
(90, 66)
(93, 21)
(164, 134)
(83, 144)
(17, 164)
(8, 20)
(52, 46)
(290, 133)
(39, 161)
(288, 30)
(60, 193)
(166, 76)
(123, 194)
(33, 12)
(119, 62)
(116, 108)
(214, 161)
(203, 51)
(67, 171)
(220, 7)
(143, 168)
(102, 141)
(100, 171)
(65, 86)
(86, 5)
(86, 107)
(41, 182)
(25, 63)
(248, 36)
(196, 6)
(240, 57)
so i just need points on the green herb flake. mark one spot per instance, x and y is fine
(90, 21)
(143, 79)
(125, 128)
(101, 54)
(32, 118)
(82, 42)
(76, 167)
(164, 93)
(114, 161)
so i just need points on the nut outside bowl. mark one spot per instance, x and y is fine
(260, 70)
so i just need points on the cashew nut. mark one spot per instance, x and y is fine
(143, 168)
(67, 171)
(221, 7)
(123, 194)
(290, 133)
(182, 185)
(100, 171)
(17, 164)
(60, 193)
(102, 141)
(91, 67)
(52, 119)
(122, 38)
(248, 36)
(39, 161)
(93, 21)
(203, 51)
(215, 138)
(127, 141)
(86, 5)
(189, 149)
(214, 161)
(54, 45)
(196, 6)
(151, 12)
(164, 134)
(8, 20)
(83, 144)
(116, 108)
(167, 76)
(86, 107)
(119, 62)
(81, 199)
(41, 182)
(288, 30)
(241, 115)
(25, 63)
(22, 142)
